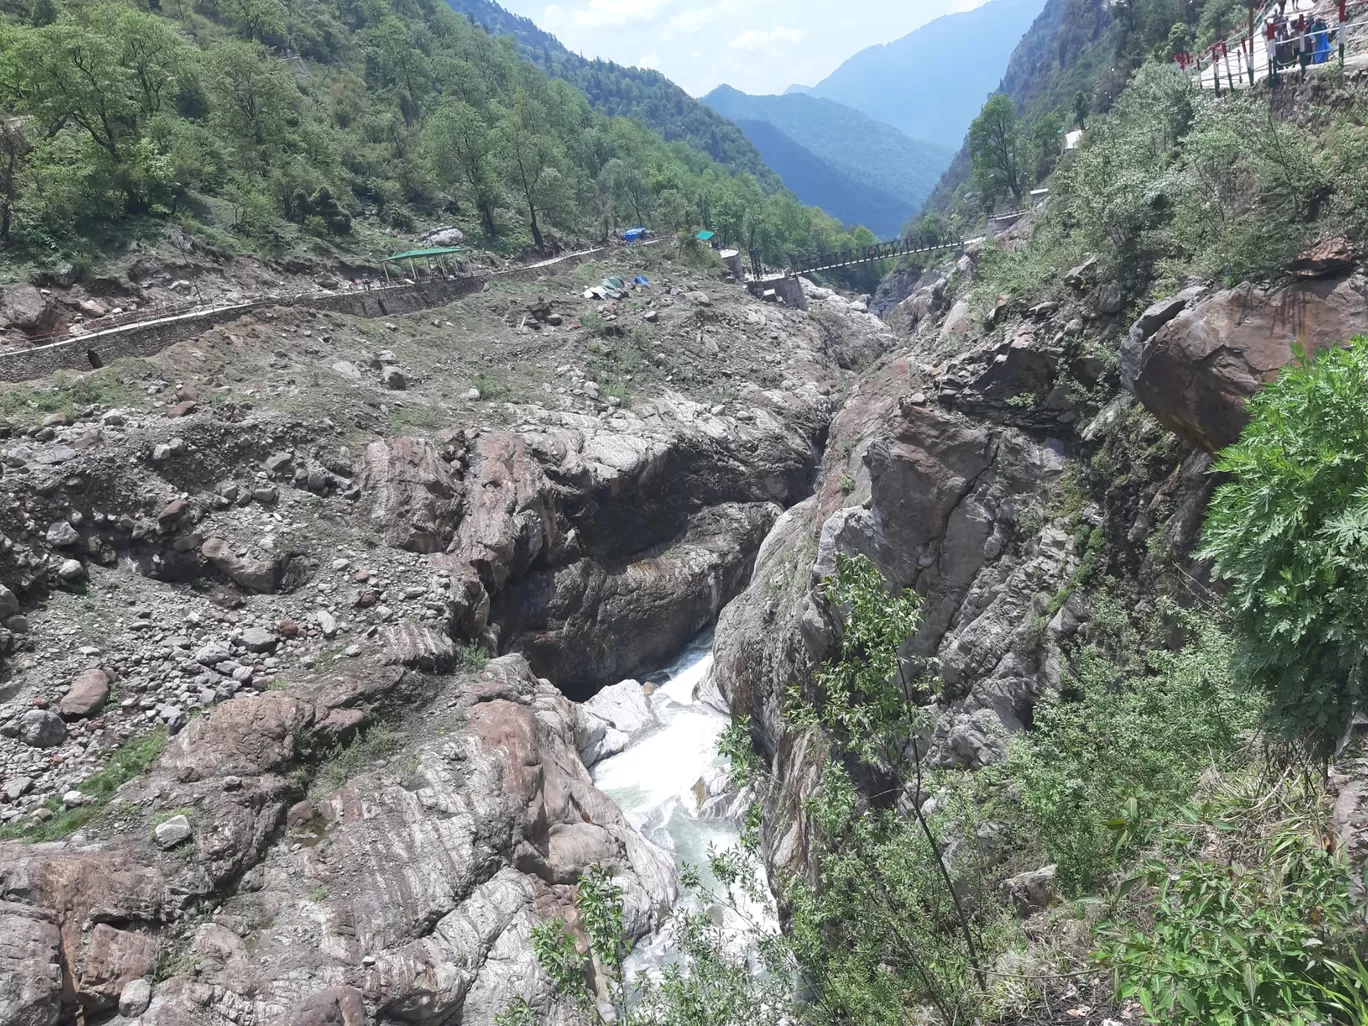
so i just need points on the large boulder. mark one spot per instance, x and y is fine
(257, 575)
(30, 967)
(1196, 371)
(415, 497)
(24, 308)
(86, 697)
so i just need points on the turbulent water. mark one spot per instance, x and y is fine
(657, 781)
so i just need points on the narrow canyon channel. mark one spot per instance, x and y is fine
(670, 784)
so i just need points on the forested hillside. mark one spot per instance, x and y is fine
(321, 127)
(1073, 62)
(881, 159)
(627, 92)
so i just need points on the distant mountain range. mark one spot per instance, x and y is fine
(857, 169)
(932, 82)
(627, 92)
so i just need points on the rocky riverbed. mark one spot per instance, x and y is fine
(284, 735)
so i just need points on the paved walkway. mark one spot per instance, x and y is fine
(1233, 69)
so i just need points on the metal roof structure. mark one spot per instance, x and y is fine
(416, 253)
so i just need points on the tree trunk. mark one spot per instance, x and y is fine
(536, 231)
(487, 217)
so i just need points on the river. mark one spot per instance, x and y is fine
(656, 782)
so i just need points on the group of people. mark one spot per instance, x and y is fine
(1304, 40)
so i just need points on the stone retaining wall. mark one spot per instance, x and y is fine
(82, 352)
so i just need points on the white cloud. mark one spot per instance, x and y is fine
(553, 17)
(650, 60)
(691, 21)
(757, 39)
(616, 13)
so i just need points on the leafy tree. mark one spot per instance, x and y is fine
(995, 146)
(254, 98)
(461, 150)
(1290, 535)
(254, 20)
(879, 861)
(530, 155)
(14, 147)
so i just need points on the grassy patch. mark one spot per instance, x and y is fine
(491, 389)
(343, 762)
(472, 657)
(129, 760)
(68, 394)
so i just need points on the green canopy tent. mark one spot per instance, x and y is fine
(420, 254)
(705, 236)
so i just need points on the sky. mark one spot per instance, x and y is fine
(758, 46)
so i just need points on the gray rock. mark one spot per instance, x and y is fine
(175, 719)
(447, 236)
(61, 534)
(393, 379)
(1155, 317)
(625, 706)
(161, 453)
(16, 787)
(252, 574)
(1032, 891)
(327, 623)
(39, 728)
(135, 997)
(23, 307)
(173, 831)
(471, 395)
(55, 454)
(70, 571)
(279, 463)
(9, 603)
(1110, 300)
(213, 653)
(348, 370)
(1079, 276)
(31, 972)
(258, 639)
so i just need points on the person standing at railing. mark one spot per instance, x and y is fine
(1270, 34)
(1321, 35)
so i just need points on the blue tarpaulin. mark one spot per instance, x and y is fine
(704, 236)
(640, 279)
(632, 234)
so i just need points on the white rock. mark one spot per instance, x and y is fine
(173, 831)
(134, 998)
(624, 706)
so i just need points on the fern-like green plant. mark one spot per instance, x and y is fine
(1289, 533)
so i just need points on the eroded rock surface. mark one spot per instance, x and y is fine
(1196, 371)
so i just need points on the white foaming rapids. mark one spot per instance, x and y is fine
(661, 779)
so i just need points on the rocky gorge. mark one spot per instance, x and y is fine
(358, 667)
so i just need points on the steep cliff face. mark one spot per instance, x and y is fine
(995, 466)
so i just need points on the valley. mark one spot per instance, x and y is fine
(442, 583)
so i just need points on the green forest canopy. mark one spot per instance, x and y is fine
(268, 121)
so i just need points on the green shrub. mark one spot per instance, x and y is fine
(1290, 535)
(1130, 733)
(1257, 936)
